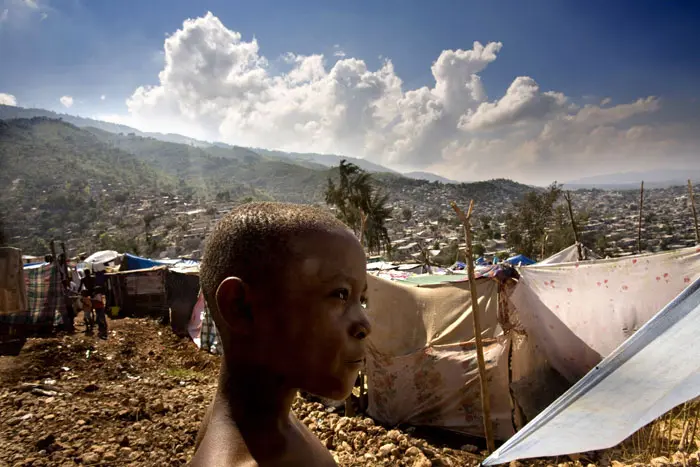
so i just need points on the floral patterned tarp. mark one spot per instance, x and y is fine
(421, 366)
(578, 313)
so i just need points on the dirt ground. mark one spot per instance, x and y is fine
(138, 398)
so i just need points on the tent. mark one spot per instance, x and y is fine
(133, 263)
(656, 369)
(421, 363)
(520, 260)
(578, 313)
(569, 255)
(13, 293)
(140, 292)
(182, 290)
(97, 261)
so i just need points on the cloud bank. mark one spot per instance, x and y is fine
(217, 86)
(8, 99)
(66, 101)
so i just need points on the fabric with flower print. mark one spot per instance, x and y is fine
(421, 365)
(579, 313)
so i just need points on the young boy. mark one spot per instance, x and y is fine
(286, 287)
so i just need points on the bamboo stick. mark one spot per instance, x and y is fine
(695, 213)
(567, 196)
(485, 398)
(641, 205)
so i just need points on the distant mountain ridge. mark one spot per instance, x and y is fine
(431, 177)
(325, 160)
(632, 180)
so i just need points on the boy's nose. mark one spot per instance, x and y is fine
(361, 327)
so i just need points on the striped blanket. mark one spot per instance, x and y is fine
(202, 328)
(45, 297)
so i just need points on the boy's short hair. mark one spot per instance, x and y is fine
(252, 242)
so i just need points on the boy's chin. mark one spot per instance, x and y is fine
(336, 390)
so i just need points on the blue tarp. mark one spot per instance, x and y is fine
(133, 262)
(655, 370)
(520, 260)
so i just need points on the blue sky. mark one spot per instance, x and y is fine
(586, 50)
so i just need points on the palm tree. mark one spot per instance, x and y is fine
(354, 196)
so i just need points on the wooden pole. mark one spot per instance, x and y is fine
(641, 206)
(695, 213)
(567, 196)
(485, 399)
(349, 408)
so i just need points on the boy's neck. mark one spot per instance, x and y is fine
(254, 398)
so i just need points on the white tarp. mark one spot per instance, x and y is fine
(98, 260)
(568, 255)
(578, 313)
(655, 370)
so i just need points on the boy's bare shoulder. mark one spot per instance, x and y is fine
(223, 445)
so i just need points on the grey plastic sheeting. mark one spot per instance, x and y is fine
(655, 370)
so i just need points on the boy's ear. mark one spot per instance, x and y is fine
(233, 300)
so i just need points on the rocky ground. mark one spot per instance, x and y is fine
(138, 398)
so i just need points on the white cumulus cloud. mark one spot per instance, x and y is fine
(216, 85)
(67, 101)
(8, 99)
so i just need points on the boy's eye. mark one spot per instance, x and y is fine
(342, 294)
(363, 302)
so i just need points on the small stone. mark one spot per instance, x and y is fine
(679, 458)
(658, 461)
(49, 417)
(470, 448)
(91, 458)
(110, 456)
(393, 435)
(422, 461)
(158, 407)
(80, 422)
(99, 449)
(386, 449)
(342, 423)
(344, 446)
(413, 451)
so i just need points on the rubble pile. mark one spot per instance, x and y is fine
(138, 399)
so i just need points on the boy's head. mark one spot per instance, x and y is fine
(286, 285)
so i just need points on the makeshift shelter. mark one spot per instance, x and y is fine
(32, 307)
(421, 363)
(140, 292)
(98, 261)
(182, 291)
(569, 255)
(13, 299)
(578, 313)
(13, 294)
(202, 328)
(520, 260)
(132, 263)
(637, 383)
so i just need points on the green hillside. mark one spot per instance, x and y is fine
(58, 180)
(214, 169)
